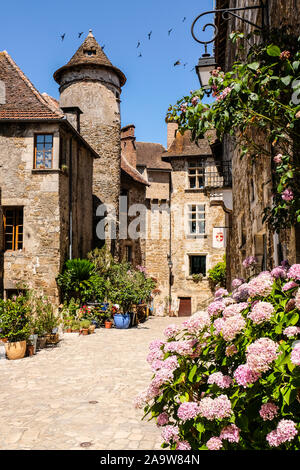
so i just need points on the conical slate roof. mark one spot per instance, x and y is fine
(89, 53)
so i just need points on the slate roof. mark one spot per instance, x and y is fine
(22, 99)
(97, 58)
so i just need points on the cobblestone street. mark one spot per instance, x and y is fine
(48, 401)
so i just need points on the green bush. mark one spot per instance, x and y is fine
(217, 275)
(15, 319)
(76, 280)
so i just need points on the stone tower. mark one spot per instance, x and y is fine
(91, 83)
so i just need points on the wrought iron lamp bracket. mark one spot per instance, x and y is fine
(226, 13)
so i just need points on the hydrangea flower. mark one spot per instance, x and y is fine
(197, 323)
(291, 331)
(214, 443)
(221, 293)
(172, 330)
(294, 272)
(237, 283)
(261, 285)
(230, 433)
(285, 431)
(183, 445)
(170, 433)
(261, 354)
(215, 408)
(268, 411)
(297, 299)
(289, 285)
(295, 355)
(241, 293)
(162, 419)
(244, 376)
(215, 308)
(233, 326)
(234, 309)
(223, 381)
(279, 272)
(287, 195)
(261, 312)
(188, 410)
(249, 261)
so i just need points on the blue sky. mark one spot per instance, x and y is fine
(30, 32)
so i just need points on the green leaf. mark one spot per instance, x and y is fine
(286, 80)
(253, 66)
(273, 50)
(192, 373)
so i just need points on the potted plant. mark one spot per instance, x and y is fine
(75, 326)
(84, 327)
(15, 323)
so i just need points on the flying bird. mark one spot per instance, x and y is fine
(169, 32)
(177, 63)
(62, 36)
(149, 35)
(184, 19)
(80, 34)
(140, 55)
(138, 44)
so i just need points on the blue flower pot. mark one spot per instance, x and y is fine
(122, 321)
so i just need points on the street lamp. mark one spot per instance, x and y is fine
(206, 65)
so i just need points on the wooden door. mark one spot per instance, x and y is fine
(185, 306)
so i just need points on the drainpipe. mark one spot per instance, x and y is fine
(170, 263)
(70, 200)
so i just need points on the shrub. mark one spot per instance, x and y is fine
(14, 319)
(229, 378)
(217, 275)
(76, 279)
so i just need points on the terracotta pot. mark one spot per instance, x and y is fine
(41, 342)
(4, 340)
(30, 349)
(68, 330)
(52, 338)
(15, 350)
(108, 324)
(85, 331)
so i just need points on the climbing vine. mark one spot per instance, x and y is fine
(257, 103)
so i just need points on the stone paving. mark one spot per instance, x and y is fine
(44, 399)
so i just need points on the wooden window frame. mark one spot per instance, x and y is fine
(16, 226)
(199, 168)
(35, 150)
(197, 218)
(190, 264)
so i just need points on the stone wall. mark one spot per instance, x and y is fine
(252, 186)
(44, 195)
(98, 99)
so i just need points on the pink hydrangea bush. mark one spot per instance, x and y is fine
(229, 378)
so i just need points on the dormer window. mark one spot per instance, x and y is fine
(89, 52)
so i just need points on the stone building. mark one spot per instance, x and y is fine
(252, 182)
(182, 211)
(46, 175)
(90, 86)
(62, 161)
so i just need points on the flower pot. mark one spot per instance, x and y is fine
(108, 324)
(52, 338)
(33, 339)
(85, 331)
(4, 340)
(30, 349)
(15, 350)
(41, 342)
(68, 330)
(122, 321)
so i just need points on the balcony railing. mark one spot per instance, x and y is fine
(217, 175)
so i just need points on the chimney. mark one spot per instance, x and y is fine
(128, 144)
(171, 133)
(72, 113)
